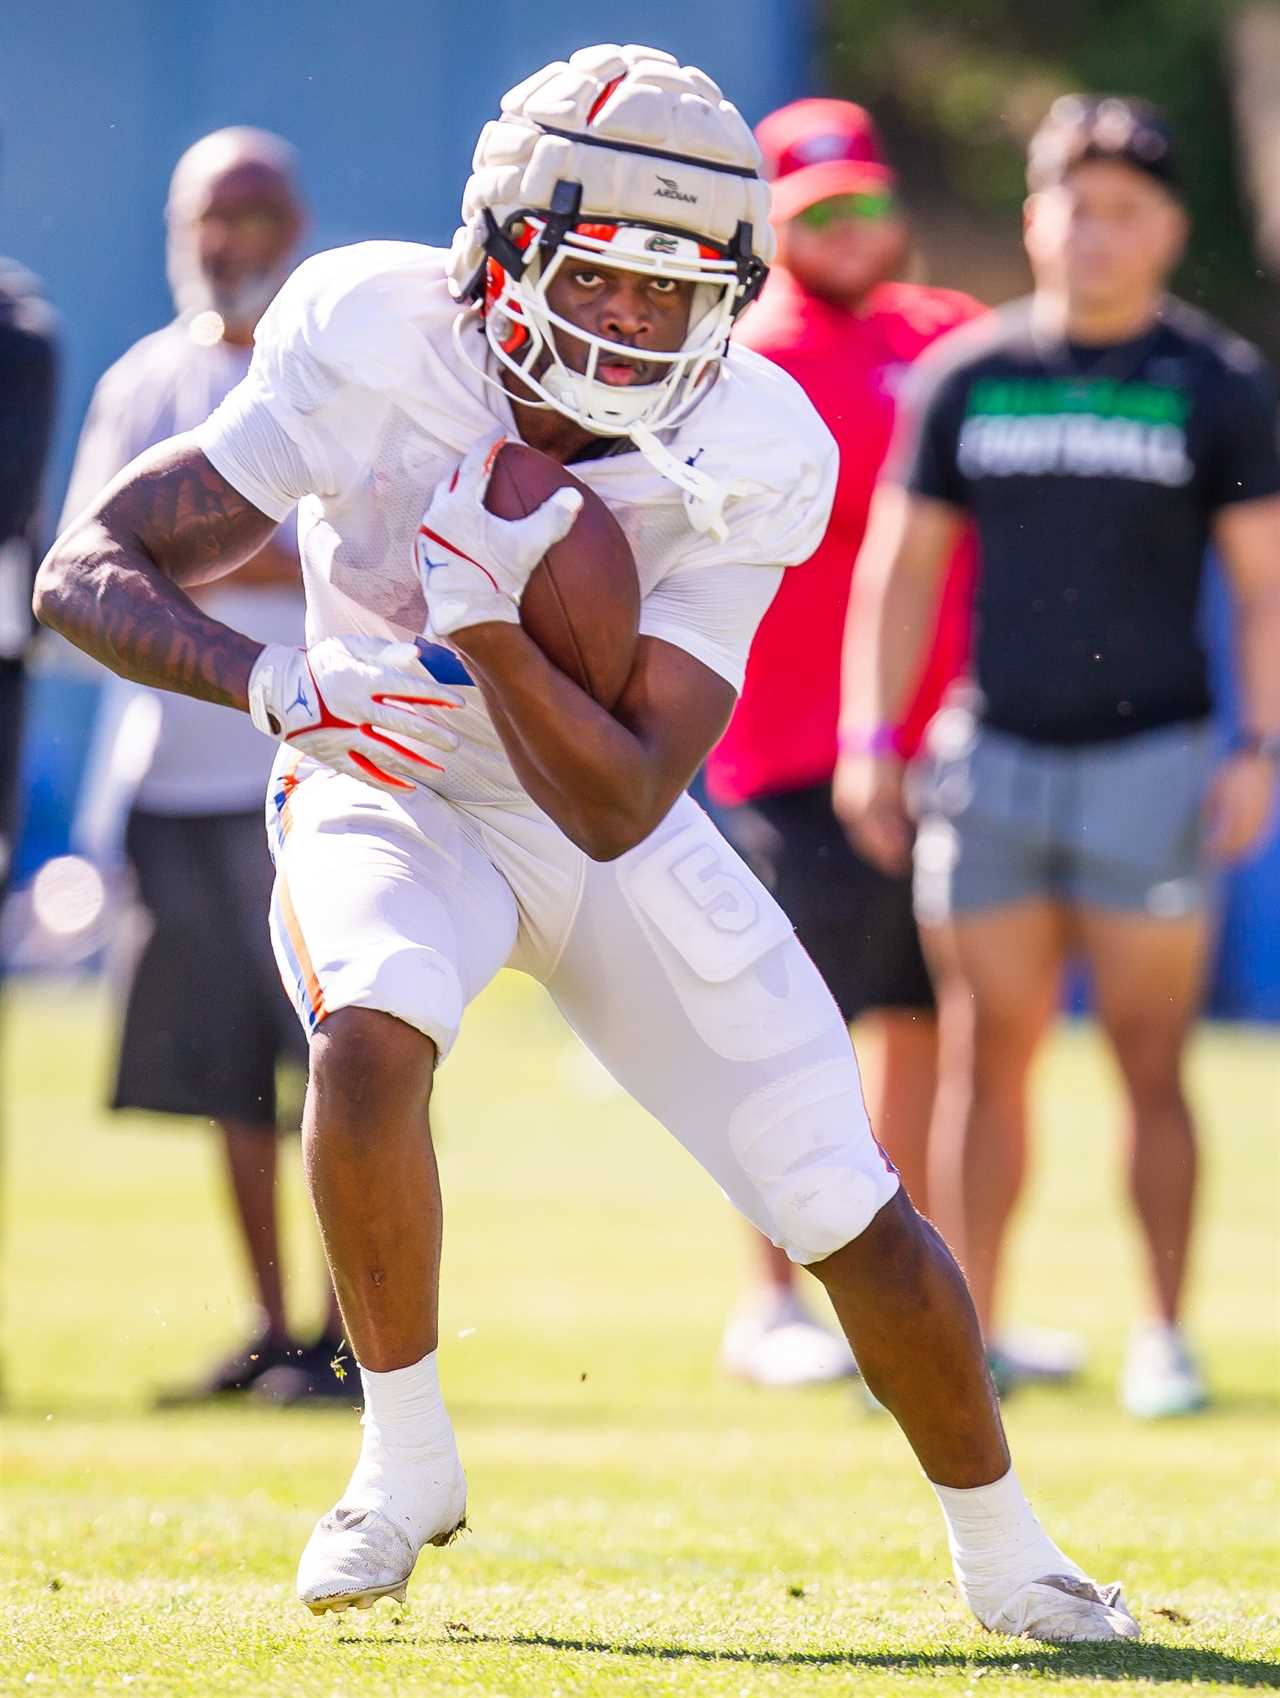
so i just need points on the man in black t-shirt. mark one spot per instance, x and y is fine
(1098, 436)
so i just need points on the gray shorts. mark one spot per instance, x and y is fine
(1105, 825)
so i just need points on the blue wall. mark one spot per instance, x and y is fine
(383, 99)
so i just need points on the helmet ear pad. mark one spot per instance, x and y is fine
(513, 334)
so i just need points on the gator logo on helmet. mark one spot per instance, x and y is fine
(660, 244)
(669, 189)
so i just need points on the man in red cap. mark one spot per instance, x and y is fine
(832, 318)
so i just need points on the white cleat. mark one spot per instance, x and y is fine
(1039, 1355)
(1065, 1610)
(356, 1556)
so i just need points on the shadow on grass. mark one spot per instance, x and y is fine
(1150, 1662)
(707, 1411)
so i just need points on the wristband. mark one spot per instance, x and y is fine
(1264, 743)
(882, 740)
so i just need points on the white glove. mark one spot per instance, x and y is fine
(359, 704)
(474, 566)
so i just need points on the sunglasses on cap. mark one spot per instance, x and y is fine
(844, 209)
(1079, 128)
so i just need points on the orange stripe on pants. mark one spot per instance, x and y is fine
(288, 784)
(315, 995)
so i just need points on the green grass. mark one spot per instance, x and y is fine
(640, 1526)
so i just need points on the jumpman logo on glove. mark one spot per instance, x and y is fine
(473, 565)
(376, 708)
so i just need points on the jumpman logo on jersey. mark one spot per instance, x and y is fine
(300, 700)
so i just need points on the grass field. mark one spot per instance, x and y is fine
(639, 1526)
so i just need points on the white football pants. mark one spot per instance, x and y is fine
(673, 964)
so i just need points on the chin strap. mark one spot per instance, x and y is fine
(704, 496)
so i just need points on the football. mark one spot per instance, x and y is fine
(582, 604)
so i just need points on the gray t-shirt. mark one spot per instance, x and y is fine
(193, 757)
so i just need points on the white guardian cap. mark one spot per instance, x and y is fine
(624, 156)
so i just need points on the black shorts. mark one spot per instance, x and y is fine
(205, 1019)
(11, 701)
(855, 922)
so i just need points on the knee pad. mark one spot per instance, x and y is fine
(805, 1144)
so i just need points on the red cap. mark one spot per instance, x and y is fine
(814, 149)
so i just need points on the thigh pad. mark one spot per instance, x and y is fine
(724, 944)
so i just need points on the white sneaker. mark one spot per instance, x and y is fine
(355, 1556)
(773, 1340)
(1161, 1378)
(1039, 1354)
(1065, 1610)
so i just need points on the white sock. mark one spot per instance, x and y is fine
(408, 1467)
(997, 1545)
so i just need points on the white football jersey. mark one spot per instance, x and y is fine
(357, 403)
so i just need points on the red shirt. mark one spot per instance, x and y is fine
(783, 732)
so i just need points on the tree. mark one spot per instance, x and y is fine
(959, 90)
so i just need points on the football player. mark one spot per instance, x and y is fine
(443, 809)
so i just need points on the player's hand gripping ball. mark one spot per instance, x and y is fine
(475, 565)
(365, 707)
(579, 600)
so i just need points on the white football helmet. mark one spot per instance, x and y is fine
(627, 157)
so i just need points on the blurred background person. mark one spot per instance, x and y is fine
(1098, 435)
(28, 383)
(204, 1021)
(833, 318)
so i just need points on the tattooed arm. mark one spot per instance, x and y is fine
(114, 582)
